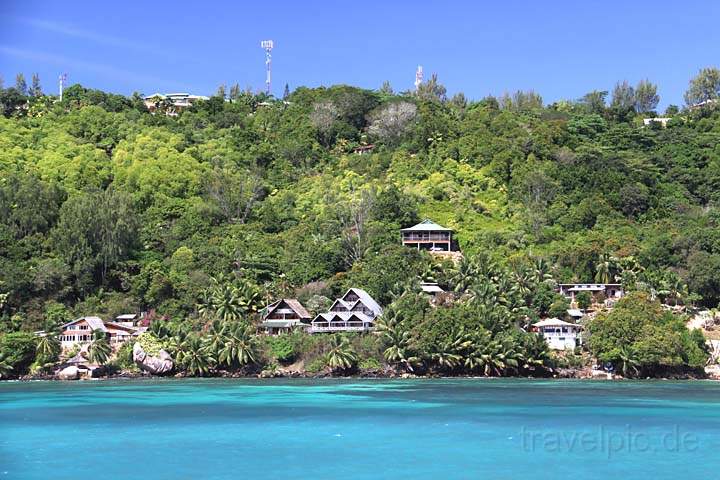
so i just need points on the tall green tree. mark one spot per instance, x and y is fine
(96, 231)
(35, 88)
(623, 96)
(704, 86)
(21, 84)
(646, 97)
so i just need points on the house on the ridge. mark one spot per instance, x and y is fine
(558, 334)
(284, 315)
(173, 101)
(428, 235)
(355, 311)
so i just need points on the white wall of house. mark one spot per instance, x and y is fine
(561, 338)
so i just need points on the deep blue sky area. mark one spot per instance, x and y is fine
(561, 49)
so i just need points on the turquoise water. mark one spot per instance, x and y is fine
(330, 429)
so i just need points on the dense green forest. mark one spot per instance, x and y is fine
(108, 209)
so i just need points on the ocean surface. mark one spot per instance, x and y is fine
(358, 429)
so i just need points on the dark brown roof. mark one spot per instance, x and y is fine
(293, 303)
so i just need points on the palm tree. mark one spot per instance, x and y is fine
(176, 347)
(605, 267)
(99, 351)
(48, 346)
(501, 356)
(628, 363)
(465, 274)
(398, 343)
(537, 353)
(227, 303)
(524, 281)
(215, 337)
(482, 293)
(542, 270)
(195, 357)
(341, 355)
(448, 354)
(239, 346)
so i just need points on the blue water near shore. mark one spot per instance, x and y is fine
(354, 429)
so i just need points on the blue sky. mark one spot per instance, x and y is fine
(561, 49)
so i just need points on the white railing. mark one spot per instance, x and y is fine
(339, 328)
(562, 334)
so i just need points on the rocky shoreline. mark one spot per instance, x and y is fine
(386, 373)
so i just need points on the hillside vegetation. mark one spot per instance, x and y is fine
(107, 209)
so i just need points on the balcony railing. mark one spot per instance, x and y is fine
(339, 328)
(426, 237)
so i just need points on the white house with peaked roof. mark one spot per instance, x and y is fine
(428, 235)
(558, 334)
(355, 311)
(81, 331)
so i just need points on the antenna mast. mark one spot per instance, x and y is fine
(267, 45)
(418, 77)
(63, 81)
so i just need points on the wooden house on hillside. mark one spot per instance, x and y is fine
(284, 315)
(428, 235)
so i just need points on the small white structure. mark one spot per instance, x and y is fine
(609, 290)
(174, 101)
(558, 334)
(355, 311)
(127, 319)
(431, 288)
(661, 120)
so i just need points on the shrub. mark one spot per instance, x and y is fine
(281, 348)
(17, 349)
(370, 364)
(150, 343)
(316, 365)
(124, 357)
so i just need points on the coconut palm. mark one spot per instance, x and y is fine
(537, 353)
(448, 354)
(227, 303)
(474, 356)
(48, 345)
(464, 275)
(501, 356)
(628, 363)
(215, 337)
(250, 297)
(341, 355)
(195, 357)
(398, 343)
(605, 267)
(99, 351)
(239, 346)
(176, 347)
(542, 270)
